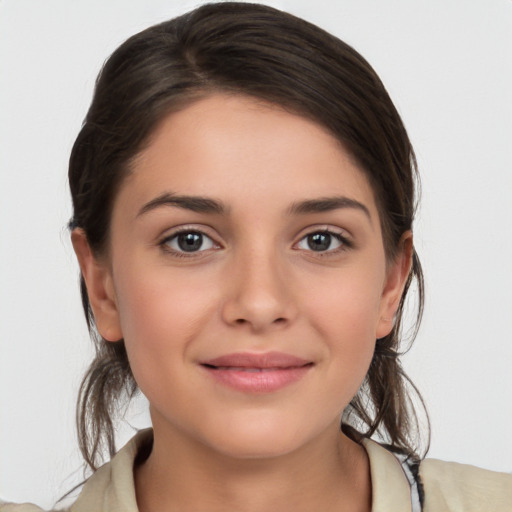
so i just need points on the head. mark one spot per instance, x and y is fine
(246, 51)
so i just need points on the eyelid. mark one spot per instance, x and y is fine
(341, 234)
(185, 228)
(324, 228)
(170, 234)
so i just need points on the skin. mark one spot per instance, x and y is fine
(255, 285)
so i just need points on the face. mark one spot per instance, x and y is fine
(247, 275)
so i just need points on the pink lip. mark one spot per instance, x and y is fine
(257, 373)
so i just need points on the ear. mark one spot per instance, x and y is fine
(396, 277)
(100, 287)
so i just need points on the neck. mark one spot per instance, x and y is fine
(330, 473)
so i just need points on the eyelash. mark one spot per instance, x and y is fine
(345, 243)
(164, 243)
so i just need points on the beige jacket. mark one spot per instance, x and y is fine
(448, 486)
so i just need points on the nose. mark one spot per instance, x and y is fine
(259, 296)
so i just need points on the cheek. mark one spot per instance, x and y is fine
(344, 310)
(160, 313)
(347, 303)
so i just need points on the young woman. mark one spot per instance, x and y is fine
(243, 193)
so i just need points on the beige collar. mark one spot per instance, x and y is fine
(112, 489)
(391, 491)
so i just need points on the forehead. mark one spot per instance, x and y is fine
(224, 145)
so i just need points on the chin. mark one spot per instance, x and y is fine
(257, 438)
(239, 446)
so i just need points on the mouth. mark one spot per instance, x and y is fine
(257, 373)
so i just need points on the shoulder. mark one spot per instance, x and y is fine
(20, 507)
(111, 487)
(453, 487)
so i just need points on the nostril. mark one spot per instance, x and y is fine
(279, 320)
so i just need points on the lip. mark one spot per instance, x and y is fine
(257, 373)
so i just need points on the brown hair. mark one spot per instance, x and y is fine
(262, 52)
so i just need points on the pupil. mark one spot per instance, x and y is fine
(190, 242)
(319, 241)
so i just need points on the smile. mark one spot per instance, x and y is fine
(242, 369)
(257, 373)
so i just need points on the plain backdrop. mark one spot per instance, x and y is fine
(448, 66)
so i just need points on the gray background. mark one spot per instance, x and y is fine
(447, 65)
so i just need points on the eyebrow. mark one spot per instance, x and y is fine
(326, 204)
(193, 203)
(200, 204)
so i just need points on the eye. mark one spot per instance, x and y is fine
(188, 242)
(322, 241)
